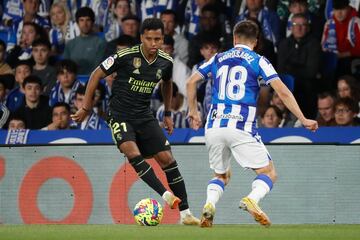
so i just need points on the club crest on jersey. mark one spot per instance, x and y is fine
(137, 62)
(107, 63)
(159, 74)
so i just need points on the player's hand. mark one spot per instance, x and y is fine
(310, 124)
(80, 115)
(195, 120)
(169, 124)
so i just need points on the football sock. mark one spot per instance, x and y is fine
(177, 184)
(147, 174)
(215, 190)
(261, 185)
(185, 212)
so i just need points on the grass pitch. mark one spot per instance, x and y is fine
(174, 232)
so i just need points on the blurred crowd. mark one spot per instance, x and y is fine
(48, 49)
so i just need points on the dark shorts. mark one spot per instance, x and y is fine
(147, 134)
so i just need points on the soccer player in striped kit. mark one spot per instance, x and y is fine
(230, 129)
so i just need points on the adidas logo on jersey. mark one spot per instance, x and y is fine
(136, 71)
(167, 143)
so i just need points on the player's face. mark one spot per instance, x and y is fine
(32, 92)
(85, 25)
(21, 72)
(169, 23)
(343, 115)
(271, 120)
(40, 54)
(62, 116)
(343, 89)
(299, 27)
(57, 15)
(152, 41)
(340, 14)
(326, 108)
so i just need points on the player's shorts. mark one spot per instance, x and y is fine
(225, 143)
(147, 134)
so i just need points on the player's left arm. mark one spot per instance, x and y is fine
(166, 89)
(191, 87)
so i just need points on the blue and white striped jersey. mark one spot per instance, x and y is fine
(236, 74)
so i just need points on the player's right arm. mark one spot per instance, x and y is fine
(191, 86)
(93, 82)
(290, 102)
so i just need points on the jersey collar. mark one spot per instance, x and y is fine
(242, 46)
(157, 53)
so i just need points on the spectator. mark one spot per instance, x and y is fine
(325, 104)
(272, 117)
(299, 55)
(87, 50)
(208, 48)
(169, 19)
(130, 26)
(121, 9)
(66, 85)
(150, 8)
(6, 84)
(60, 117)
(181, 72)
(62, 29)
(42, 69)
(341, 36)
(123, 41)
(92, 121)
(346, 110)
(210, 25)
(179, 110)
(348, 86)
(4, 114)
(30, 15)
(30, 32)
(4, 67)
(288, 119)
(15, 97)
(35, 109)
(269, 21)
(16, 122)
(302, 7)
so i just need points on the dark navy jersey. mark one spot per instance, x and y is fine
(236, 75)
(135, 81)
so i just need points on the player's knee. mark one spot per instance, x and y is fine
(273, 176)
(223, 177)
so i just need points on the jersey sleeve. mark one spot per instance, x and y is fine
(267, 71)
(111, 64)
(167, 72)
(205, 68)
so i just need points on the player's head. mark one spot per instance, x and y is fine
(246, 32)
(152, 35)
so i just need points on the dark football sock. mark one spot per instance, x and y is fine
(147, 174)
(177, 184)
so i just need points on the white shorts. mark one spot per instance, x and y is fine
(224, 143)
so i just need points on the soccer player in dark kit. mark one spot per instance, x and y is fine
(135, 130)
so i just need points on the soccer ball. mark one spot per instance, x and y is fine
(148, 212)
